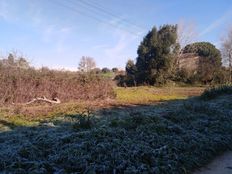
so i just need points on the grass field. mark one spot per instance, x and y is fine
(144, 130)
(33, 114)
(146, 95)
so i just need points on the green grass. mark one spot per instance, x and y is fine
(144, 95)
(109, 75)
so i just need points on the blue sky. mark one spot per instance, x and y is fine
(56, 33)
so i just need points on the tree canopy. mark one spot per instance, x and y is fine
(158, 60)
(206, 50)
(156, 55)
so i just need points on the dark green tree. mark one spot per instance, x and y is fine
(131, 71)
(105, 70)
(115, 70)
(157, 55)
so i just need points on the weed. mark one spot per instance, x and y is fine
(84, 120)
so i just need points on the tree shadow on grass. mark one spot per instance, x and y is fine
(7, 124)
(172, 137)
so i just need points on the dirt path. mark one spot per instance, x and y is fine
(221, 165)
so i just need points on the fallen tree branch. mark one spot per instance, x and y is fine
(44, 99)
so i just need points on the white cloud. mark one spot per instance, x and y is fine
(215, 24)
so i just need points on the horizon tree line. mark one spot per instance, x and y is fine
(159, 54)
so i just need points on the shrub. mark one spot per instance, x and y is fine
(96, 70)
(105, 70)
(214, 92)
(84, 120)
(115, 70)
(120, 80)
(22, 85)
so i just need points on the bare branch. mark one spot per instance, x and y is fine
(86, 64)
(44, 99)
(186, 33)
(227, 50)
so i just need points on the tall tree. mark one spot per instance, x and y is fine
(86, 64)
(227, 50)
(156, 55)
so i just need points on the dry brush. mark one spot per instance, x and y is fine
(23, 85)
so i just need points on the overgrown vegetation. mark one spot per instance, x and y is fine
(169, 138)
(214, 92)
(20, 85)
(33, 114)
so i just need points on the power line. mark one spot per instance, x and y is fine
(109, 13)
(100, 20)
(99, 13)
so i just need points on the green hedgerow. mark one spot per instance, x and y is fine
(214, 92)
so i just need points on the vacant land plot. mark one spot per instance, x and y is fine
(33, 114)
(169, 137)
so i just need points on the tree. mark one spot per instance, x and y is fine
(157, 55)
(186, 33)
(23, 63)
(131, 71)
(15, 61)
(130, 67)
(105, 70)
(227, 51)
(86, 64)
(115, 70)
(206, 50)
(209, 61)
